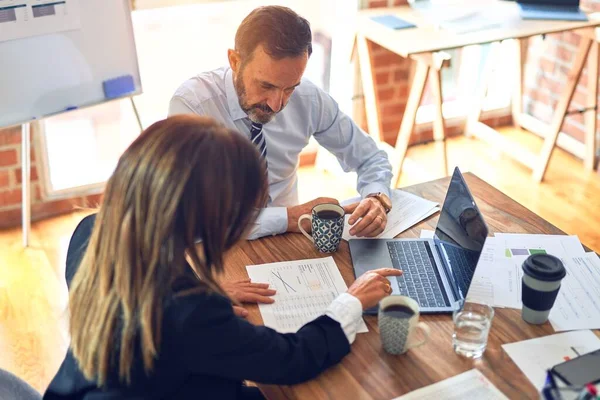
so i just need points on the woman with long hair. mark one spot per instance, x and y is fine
(148, 319)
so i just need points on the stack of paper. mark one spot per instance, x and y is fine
(535, 356)
(468, 385)
(407, 210)
(305, 288)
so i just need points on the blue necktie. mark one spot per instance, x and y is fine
(257, 137)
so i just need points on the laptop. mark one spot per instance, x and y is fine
(437, 272)
(563, 10)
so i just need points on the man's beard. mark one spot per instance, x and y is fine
(258, 112)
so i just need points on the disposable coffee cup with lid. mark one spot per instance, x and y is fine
(542, 275)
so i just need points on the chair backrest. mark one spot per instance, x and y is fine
(14, 388)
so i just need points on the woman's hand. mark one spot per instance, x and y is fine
(245, 291)
(373, 286)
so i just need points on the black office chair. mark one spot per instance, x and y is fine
(14, 388)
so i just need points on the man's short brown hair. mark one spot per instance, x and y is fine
(281, 31)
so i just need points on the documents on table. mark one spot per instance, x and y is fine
(496, 282)
(305, 288)
(535, 356)
(577, 305)
(407, 210)
(468, 385)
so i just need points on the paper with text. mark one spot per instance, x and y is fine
(577, 305)
(535, 356)
(468, 385)
(407, 210)
(496, 282)
(305, 288)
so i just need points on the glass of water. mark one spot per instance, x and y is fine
(471, 328)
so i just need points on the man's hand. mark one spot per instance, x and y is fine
(294, 213)
(368, 215)
(245, 291)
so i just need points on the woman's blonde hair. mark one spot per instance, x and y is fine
(185, 179)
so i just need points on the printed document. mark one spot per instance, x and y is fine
(468, 385)
(305, 288)
(535, 356)
(407, 210)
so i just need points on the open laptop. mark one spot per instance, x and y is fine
(438, 271)
(564, 10)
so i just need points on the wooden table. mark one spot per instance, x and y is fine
(368, 372)
(426, 45)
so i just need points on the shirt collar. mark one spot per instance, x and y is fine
(235, 110)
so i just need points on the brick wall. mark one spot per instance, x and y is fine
(540, 96)
(552, 58)
(10, 184)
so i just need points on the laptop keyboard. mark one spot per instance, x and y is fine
(463, 264)
(420, 279)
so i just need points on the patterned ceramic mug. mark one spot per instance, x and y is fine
(398, 322)
(327, 226)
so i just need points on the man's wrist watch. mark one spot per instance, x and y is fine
(383, 199)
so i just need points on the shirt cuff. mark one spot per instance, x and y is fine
(273, 220)
(347, 311)
(375, 188)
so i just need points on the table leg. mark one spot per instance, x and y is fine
(410, 114)
(592, 104)
(26, 182)
(439, 129)
(517, 96)
(561, 109)
(368, 86)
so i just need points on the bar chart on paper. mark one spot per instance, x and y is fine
(305, 288)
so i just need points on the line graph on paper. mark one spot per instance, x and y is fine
(305, 288)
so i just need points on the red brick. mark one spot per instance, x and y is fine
(573, 131)
(10, 197)
(547, 66)
(579, 98)
(4, 178)
(33, 175)
(10, 136)
(386, 59)
(377, 3)
(382, 78)
(577, 118)
(400, 2)
(572, 38)
(400, 75)
(564, 54)
(386, 94)
(32, 154)
(8, 157)
(391, 110)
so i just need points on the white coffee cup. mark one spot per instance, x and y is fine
(398, 323)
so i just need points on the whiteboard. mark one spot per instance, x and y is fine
(48, 74)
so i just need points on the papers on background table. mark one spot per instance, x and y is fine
(305, 288)
(468, 385)
(407, 210)
(535, 356)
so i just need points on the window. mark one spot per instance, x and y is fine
(460, 82)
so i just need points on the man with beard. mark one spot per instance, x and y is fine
(263, 96)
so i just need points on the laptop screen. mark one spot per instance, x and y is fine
(461, 231)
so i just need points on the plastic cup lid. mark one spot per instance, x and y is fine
(544, 267)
